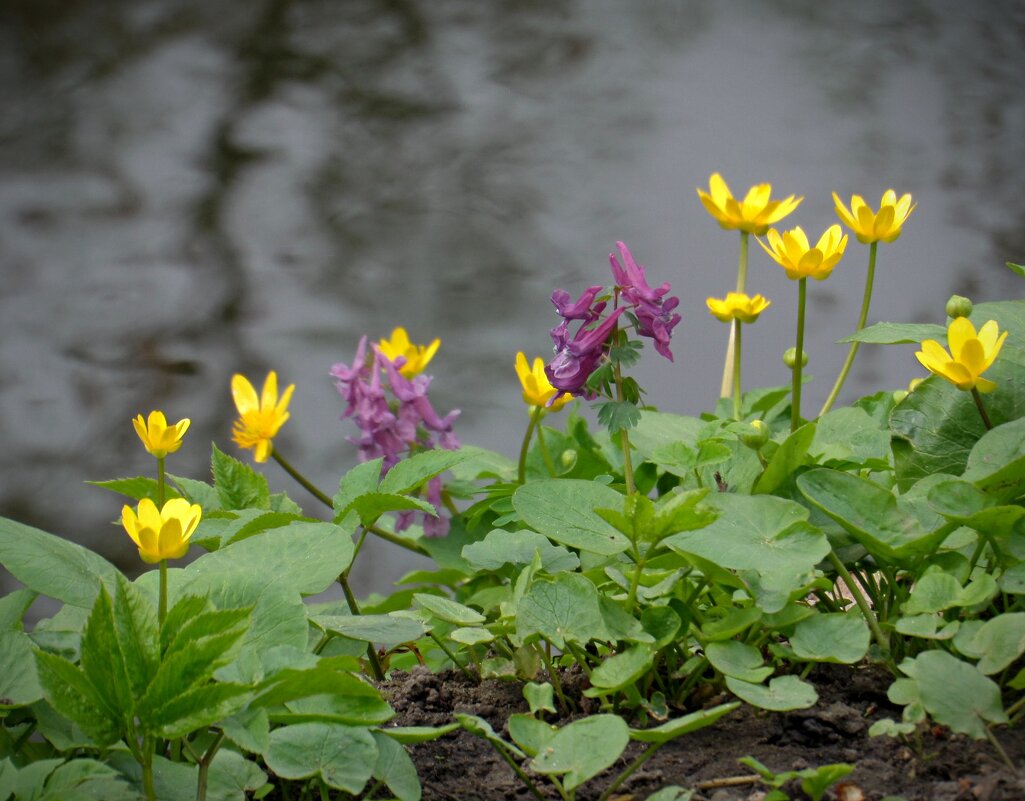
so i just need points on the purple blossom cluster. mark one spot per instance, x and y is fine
(392, 427)
(578, 356)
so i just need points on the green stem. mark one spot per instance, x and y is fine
(161, 482)
(518, 771)
(795, 395)
(727, 372)
(624, 439)
(982, 409)
(350, 599)
(395, 539)
(162, 602)
(147, 769)
(859, 599)
(635, 580)
(736, 372)
(301, 479)
(463, 669)
(535, 417)
(204, 766)
(853, 351)
(643, 757)
(549, 464)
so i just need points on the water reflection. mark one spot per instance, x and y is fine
(193, 189)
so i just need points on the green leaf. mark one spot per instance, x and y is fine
(411, 735)
(502, 547)
(529, 733)
(620, 671)
(738, 659)
(197, 709)
(955, 693)
(790, 455)
(850, 436)
(782, 694)
(869, 513)
(68, 691)
(539, 697)
(1015, 268)
(684, 725)
(360, 480)
(371, 505)
(138, 638)
(395, 768)
(103, 663)
(999, 641)
(344, 757)
(249, 729)
(833, 637)
(996, 464)
(658, 429)
(306, 557)
(561, 608)
(413, 471)
(618, 416)
(53, 566)
(448, 610)
(197, 492)
(19, 682)
(238, 485)
(381, 629)
(897, 333)
(681, 459)
(479, 727)
(563, 510)
(583, 749)
(135, 488)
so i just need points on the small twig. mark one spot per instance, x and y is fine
(728, 781)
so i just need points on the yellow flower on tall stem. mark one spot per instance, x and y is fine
(753, 215)
(971, 354)
(737, 308)
(161, 533)
(157, 436)
(541, 397)
(870, 228)
(416, 356)
(260, 418)
(801, 261)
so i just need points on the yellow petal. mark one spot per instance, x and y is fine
(889, 199)
(973, 357)
(988, 335)
(243, 394)
(720, 190)
(959, 332)
(883, 226)
(269, 397)
(984, 385)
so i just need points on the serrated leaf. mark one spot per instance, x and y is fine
(197, 709)
(135, 488)
(238, 485)
(135, 624)
(197, 492)
(19, 681)
(68, 691)
(413, 471)
(103, 663)
(618, 416)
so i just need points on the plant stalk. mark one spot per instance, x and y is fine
(853, 351)
(301, 479)
(736, 371)
(204, 766)
(859, 598)
(535, 417)
(350, 599)
(982, 409)
(727, 372)
(795, 395)
(624, 439)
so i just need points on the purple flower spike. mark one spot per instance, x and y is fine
(584, 309)
(576, 359)
(652, 309)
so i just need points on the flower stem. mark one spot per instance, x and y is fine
(982, 409)
(161, 482)
(849, 361)
(535, 417)
(727, 373)
(301, 479)
(643, 757)
(350, 599)
(863, 605)
(736, 372)
(624, 439)
(462, 668)
(204, 766)
(395, 539)
(148, 746)
(795, 395)
(549, 464)
(162, 602)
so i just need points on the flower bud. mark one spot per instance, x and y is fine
(899, 395)
(913, 384)
(958, 306)
(755, 435)
(568, 459)
(790, 358)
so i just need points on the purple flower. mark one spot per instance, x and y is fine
(584, 309)
(576, 359)
(654, 311)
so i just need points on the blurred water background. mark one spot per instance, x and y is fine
(194, 188)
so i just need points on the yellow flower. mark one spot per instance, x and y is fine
(161, 534)
(537, 389)
(417, 356)
(159, 438)
(970, 354)
(737, 306)
(793, 253)
(754, 214)
(871, 227)
(259, 418)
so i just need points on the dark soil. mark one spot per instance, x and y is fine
(946, 767)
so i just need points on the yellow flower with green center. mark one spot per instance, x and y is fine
(737, 306)
(164, 533)
(537, 389)
(971, 354)
(794, 254)
(869, 226)
(754, 214)
(416, 356)
(261, 418)
(157, 436)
